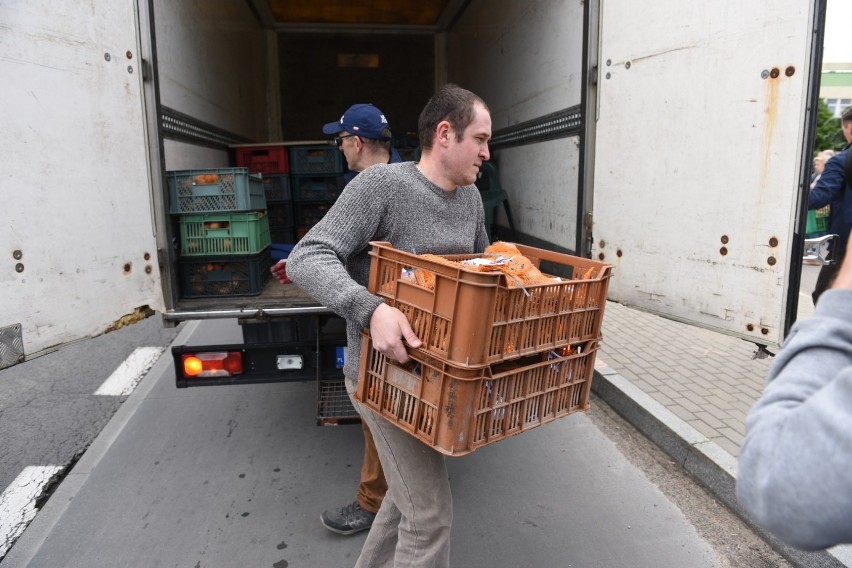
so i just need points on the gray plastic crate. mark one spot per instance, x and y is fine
(215, 190)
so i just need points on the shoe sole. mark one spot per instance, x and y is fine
(341, 531)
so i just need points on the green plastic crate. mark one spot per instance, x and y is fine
(816, 223)
(215, 190)
(224, 233)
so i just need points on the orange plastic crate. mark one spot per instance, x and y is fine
(457, 410)
(474, 318)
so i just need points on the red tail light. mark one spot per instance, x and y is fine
(213, 364)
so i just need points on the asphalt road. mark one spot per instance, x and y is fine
(807, 284)
(49, 412)
(237, 476)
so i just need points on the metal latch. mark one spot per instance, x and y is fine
(817, 249)
(288, 362)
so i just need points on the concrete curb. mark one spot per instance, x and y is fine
(703, 459)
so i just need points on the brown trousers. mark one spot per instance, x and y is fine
(373, 486)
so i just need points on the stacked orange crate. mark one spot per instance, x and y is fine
(497, 358)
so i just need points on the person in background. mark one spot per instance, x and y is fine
(430, 207)
(794, 466)
(364, 136)
(832, 188)
(819, 165)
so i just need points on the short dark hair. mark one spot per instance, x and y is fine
(846, 115)
(450, 103)
(376, 144)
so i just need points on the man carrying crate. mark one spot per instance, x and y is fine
(428, 207)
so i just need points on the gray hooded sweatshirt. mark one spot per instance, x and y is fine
(795, 466)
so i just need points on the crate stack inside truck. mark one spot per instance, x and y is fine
(224, 246)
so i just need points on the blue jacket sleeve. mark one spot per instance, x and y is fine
(830, 184)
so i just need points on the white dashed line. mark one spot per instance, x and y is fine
(125, 378)
(17, 502)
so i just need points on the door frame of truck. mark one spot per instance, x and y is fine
(591, 107)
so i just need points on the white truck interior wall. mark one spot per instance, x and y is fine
(212, 66)
(75, 190)
(544, 203)
(183, 156)
(701, 231)
(525, 60)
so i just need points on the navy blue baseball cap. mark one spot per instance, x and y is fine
(362, 120)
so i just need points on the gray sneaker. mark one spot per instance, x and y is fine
(348, 519)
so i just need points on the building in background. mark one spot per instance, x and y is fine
(836, 86)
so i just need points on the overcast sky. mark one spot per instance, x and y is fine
(838, 41)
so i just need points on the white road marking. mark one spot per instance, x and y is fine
(125, 378)
(17, 502)
(806, 306)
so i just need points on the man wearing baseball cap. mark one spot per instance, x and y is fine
(364, 137)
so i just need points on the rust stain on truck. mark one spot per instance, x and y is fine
(771, 121)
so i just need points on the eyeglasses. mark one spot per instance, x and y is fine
(338, 140)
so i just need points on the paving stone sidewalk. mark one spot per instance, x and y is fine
(707, 379)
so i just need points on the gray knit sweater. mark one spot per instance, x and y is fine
(795, 466)
(385, 202)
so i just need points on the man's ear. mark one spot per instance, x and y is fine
(443, 132)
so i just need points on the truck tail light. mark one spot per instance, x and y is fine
(212, 364)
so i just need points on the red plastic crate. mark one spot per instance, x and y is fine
(263, 159)
(457, 410)
(474, 318)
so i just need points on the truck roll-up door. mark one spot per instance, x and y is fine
(698, 158)
(76, 215)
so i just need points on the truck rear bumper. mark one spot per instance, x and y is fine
(175, 316)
